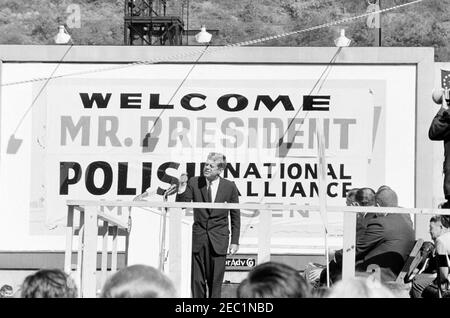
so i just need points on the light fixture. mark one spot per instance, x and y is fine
(62, 37)
(13, 145)
(342, 40)
(203, 36)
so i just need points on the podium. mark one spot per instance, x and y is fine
(146, 244)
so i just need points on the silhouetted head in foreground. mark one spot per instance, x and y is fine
(49, 283)
(360, 287)
(6, 291)
(273, 280)
(138, 281)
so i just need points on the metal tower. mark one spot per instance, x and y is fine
(146, 23)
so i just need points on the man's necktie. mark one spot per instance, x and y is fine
(209, 198)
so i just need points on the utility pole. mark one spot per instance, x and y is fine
(374, 20)
(378, 28)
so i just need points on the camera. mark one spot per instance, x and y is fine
(439, 95)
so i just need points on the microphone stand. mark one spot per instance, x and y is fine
(162, 247)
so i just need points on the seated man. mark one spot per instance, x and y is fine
(425, 285)
(384, 240)
(314, 270)
(387, 239)
(394, 203)
(363, 197)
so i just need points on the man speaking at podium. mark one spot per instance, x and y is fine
(210, 231)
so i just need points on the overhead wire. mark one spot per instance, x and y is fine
(323, 76)
(180, 56)
(322, 79)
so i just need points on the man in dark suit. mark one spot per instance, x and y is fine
(387, 239)
(383, 240)
(363, 197)
(210, 231)
(440, 130)
(355, 197)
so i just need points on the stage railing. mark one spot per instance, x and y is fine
(92, 223)
(90, 215)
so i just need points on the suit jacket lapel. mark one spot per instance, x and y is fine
(202, 184)
(219, 192)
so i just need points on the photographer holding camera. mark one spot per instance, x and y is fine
(440, 130)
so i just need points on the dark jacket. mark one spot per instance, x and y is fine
(386, 242)
(213, 224)
(440, 130)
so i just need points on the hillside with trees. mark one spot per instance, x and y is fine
(422, 24)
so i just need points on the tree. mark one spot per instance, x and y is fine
(423, 24)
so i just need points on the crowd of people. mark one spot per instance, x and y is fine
(267, 280)
(383, 241)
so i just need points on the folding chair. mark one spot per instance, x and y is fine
(414, 259)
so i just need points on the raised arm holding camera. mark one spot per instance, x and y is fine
(440, 130)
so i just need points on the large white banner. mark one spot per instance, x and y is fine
(114, 139)
(112, 136)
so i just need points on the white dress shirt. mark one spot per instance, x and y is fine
(214, 185)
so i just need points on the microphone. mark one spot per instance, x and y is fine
(144, 194)
(172, 189)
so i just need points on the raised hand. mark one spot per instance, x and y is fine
(233, 249)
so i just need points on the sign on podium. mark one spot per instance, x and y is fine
(146, 244)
